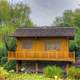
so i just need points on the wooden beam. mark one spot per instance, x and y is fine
(45, 59)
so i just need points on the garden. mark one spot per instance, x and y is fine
(49, 73)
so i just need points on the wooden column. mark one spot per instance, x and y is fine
(66, 69)
(36, 66)
(18, 64)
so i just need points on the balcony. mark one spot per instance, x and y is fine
(31, 55)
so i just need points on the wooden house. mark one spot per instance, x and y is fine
(39, 47)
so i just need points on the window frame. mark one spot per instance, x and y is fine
(55, 45)
(27, 44)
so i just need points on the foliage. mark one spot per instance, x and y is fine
(71, 19)
(10, 43)
(15, 14)
(11, 65)
(3, 72)
(74, 72)
(3, 60)
(3, 50)
(52, 71)
(11, 75)
(66, 20)
(71, 71)
(12, 15)
(14, 76)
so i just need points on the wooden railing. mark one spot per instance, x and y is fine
(72, 55)
(22, 55)
(11, 55)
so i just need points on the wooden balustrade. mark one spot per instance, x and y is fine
(72, 55)
(11, 55)
(30, 55)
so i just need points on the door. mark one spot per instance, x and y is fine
(39, 48)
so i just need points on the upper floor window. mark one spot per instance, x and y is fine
(52, 44)
(27, 44)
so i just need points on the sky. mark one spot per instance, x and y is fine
(43, 12)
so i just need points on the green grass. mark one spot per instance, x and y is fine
(14, 76)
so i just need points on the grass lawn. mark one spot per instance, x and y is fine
(14, 76)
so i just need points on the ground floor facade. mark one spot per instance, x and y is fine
(38, 66)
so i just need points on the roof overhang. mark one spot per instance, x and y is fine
(68, 32)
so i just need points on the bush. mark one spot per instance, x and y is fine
(74, 72)
(14, 76)
(3, 50)
(71, 72)
(52, 71)
(3, 72)
(11, 65)
(3, 60)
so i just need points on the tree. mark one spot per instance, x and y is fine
(71, 19)
(11, 17)
(15, 14)
(66, 20)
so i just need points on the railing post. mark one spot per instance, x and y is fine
(74, 56)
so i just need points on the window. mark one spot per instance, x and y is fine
(52, 44)
(57, 44)
(27, 44)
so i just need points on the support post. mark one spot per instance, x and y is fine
(66, 69)
(36, 65)
(17, 66)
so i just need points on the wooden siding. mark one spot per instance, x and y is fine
(38, 51)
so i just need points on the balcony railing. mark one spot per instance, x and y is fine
(23, 55)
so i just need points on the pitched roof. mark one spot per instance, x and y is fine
(45, 32)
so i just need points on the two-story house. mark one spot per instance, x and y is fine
(39, 47)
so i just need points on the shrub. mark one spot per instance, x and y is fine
(71, 72)
(3, 50)
(3, 60)
(74, 72)
(11, 65)
(52, 71)
(3, 72)
(77, 73)
(14, 76)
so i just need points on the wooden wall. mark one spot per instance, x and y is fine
(38, 50)
(38, 46)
